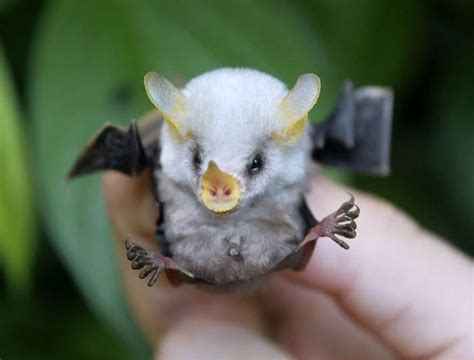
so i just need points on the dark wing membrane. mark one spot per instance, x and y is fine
(357, 134)
(115, 148)
(298, 259)
(148, 128)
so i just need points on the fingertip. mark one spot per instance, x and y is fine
(118, 187)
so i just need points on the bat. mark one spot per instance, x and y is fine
(229, 157)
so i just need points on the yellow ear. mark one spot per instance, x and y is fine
(169, 101)
(295, 106)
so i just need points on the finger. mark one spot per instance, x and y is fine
(199, 337)
(159, 309)
(130, 204)
(407, 287)
(310, 325)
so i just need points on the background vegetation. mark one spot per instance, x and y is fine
(68, 66)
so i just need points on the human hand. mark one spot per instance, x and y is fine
(398, 292)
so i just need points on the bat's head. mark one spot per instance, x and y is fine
(233, 135)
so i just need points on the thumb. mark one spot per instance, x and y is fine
(406, 286)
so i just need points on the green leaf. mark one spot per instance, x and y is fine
(4, 4)
(17, 226)
(369, 41)
(88, 68)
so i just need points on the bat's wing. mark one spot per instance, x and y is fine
(298, 259)
(126, 150)
(130, 151)
(357, 134)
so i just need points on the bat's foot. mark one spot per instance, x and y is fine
(341, 223)
(151, 262)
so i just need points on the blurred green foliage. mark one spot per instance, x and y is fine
(17, 226)
(79, 64)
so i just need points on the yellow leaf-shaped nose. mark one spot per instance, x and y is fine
(219, 190)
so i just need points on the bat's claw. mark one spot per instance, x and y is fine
(341, 222)
(151, 262)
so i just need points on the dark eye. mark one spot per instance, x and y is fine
(197, 159)
(256, 165)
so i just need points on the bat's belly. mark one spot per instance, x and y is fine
(225, 252)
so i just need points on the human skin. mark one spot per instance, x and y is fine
(399, 292)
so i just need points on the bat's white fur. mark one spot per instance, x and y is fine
(232, 114)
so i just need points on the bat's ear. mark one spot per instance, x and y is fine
(169, 101)
(295, 106)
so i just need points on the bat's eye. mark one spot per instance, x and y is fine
(197, 159)
(256, 165)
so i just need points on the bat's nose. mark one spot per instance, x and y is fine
(219, 190)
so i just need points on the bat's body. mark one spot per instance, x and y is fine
(230, 164)
(262, 236)
(231, 131)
